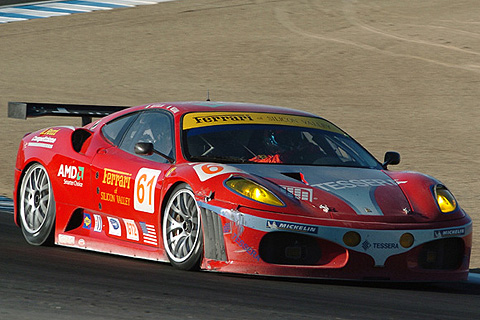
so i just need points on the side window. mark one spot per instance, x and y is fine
(113, 131)
(151, 126)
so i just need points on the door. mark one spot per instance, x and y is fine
(127, 187)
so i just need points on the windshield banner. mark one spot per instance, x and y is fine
(205, 119)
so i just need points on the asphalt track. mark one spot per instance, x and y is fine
(61, 283)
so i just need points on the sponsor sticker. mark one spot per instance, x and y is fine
(87, 221)
(279, 225)
(385, 245)
(149, 233)
(41, 145)
(46, 139)
(115, 198)
(204, 119)
(305, 194)
(98, 223)
(114, 227)
(49, 132)
(116, 178)
(207, 171)
(132, 230)
(42, 141)
(227, 227)
(73, 176)
(65, 239)
(236, 238)
(238, 220)
(366, 245)
(449, 232)
(173, 109)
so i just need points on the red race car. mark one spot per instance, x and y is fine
(233, 187)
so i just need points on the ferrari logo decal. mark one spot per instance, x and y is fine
(116, 178)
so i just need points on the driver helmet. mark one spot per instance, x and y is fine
(279, 141)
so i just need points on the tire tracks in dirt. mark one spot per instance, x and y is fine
(349, 8)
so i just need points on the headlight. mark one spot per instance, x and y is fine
(445, 199)
(253, 191)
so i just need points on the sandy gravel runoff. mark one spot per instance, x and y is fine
(396, 75)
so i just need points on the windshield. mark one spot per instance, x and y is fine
(270, 138)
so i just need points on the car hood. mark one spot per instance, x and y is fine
(340, 191)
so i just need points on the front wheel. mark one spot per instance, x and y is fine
(182, 231)
(37, 206)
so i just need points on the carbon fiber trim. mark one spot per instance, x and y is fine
(24, 110)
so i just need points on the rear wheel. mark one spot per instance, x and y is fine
(37, 206)
(182, 231)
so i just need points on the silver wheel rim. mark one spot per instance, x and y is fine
(34, 199)
(181, 225)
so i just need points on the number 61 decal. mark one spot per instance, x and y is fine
(144, 193)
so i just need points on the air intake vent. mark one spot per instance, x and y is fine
(295, 175)
(289, 248)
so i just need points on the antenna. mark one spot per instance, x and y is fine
(208, 95)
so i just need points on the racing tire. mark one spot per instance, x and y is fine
(37, 206)
(182, 229)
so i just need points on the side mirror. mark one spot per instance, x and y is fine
(391, 157)
(147, 149)
(144, 148)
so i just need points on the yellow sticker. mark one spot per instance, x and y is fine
(49, 132)
(116, 178)
(206, 119)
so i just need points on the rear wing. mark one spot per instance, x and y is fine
(24, 110)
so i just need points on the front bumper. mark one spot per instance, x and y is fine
(280, 245)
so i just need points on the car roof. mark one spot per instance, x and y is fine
(205, 106)
(180, 108)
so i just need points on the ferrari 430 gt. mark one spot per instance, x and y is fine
(233, 187)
